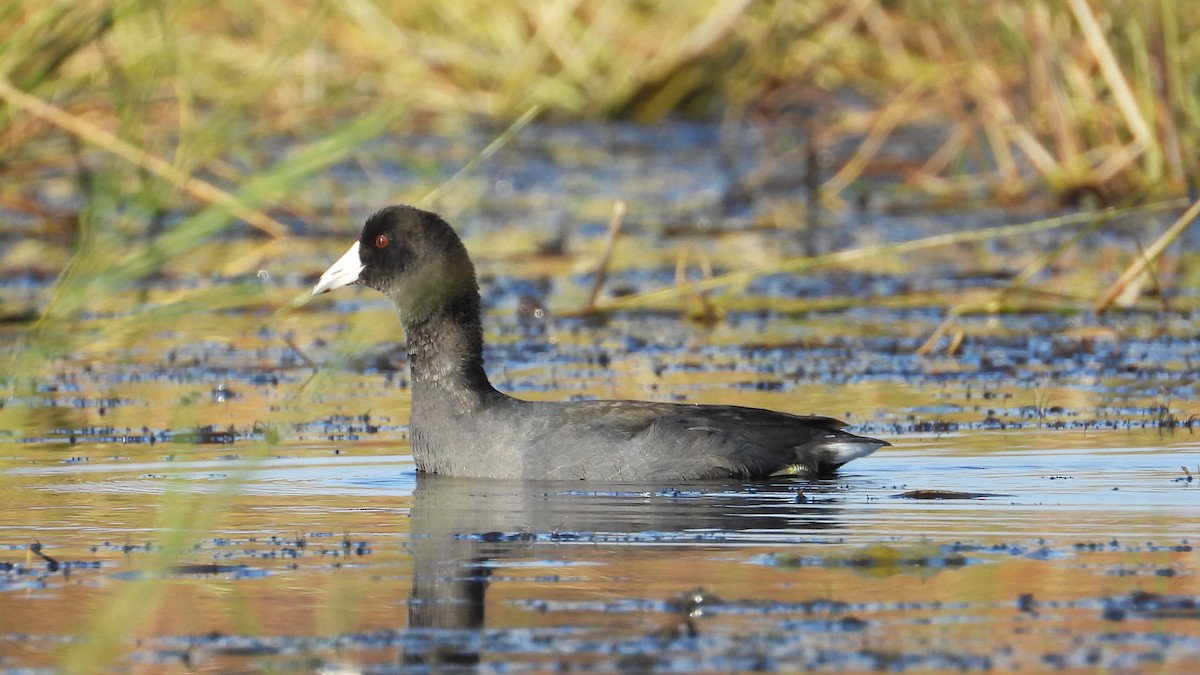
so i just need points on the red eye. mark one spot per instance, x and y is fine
(381, 241)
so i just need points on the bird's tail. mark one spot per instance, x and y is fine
(827, 453)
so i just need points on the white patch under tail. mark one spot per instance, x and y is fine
(842, 450)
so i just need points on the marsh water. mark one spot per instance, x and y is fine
(229, 488)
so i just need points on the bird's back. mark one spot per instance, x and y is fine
(639, 440)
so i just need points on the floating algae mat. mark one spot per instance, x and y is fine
(230, 488)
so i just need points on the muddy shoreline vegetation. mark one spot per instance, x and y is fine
(155, 129)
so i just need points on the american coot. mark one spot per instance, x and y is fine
(462, 426)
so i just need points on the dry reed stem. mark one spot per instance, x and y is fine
(719, 24)
(550, 33)
(1047, 72)
(610, 243)
(986, 86)
(1037, 266)
(491, 149)
(961, 135)
(88, 132)
(887, 120)
(793, 265)
(1111, 69)
(1151, 254)
(1116, 162)
(1001, 298)
(706, 312)
(842, 29)
(1155, 282)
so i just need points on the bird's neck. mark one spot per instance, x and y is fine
(445, 355)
